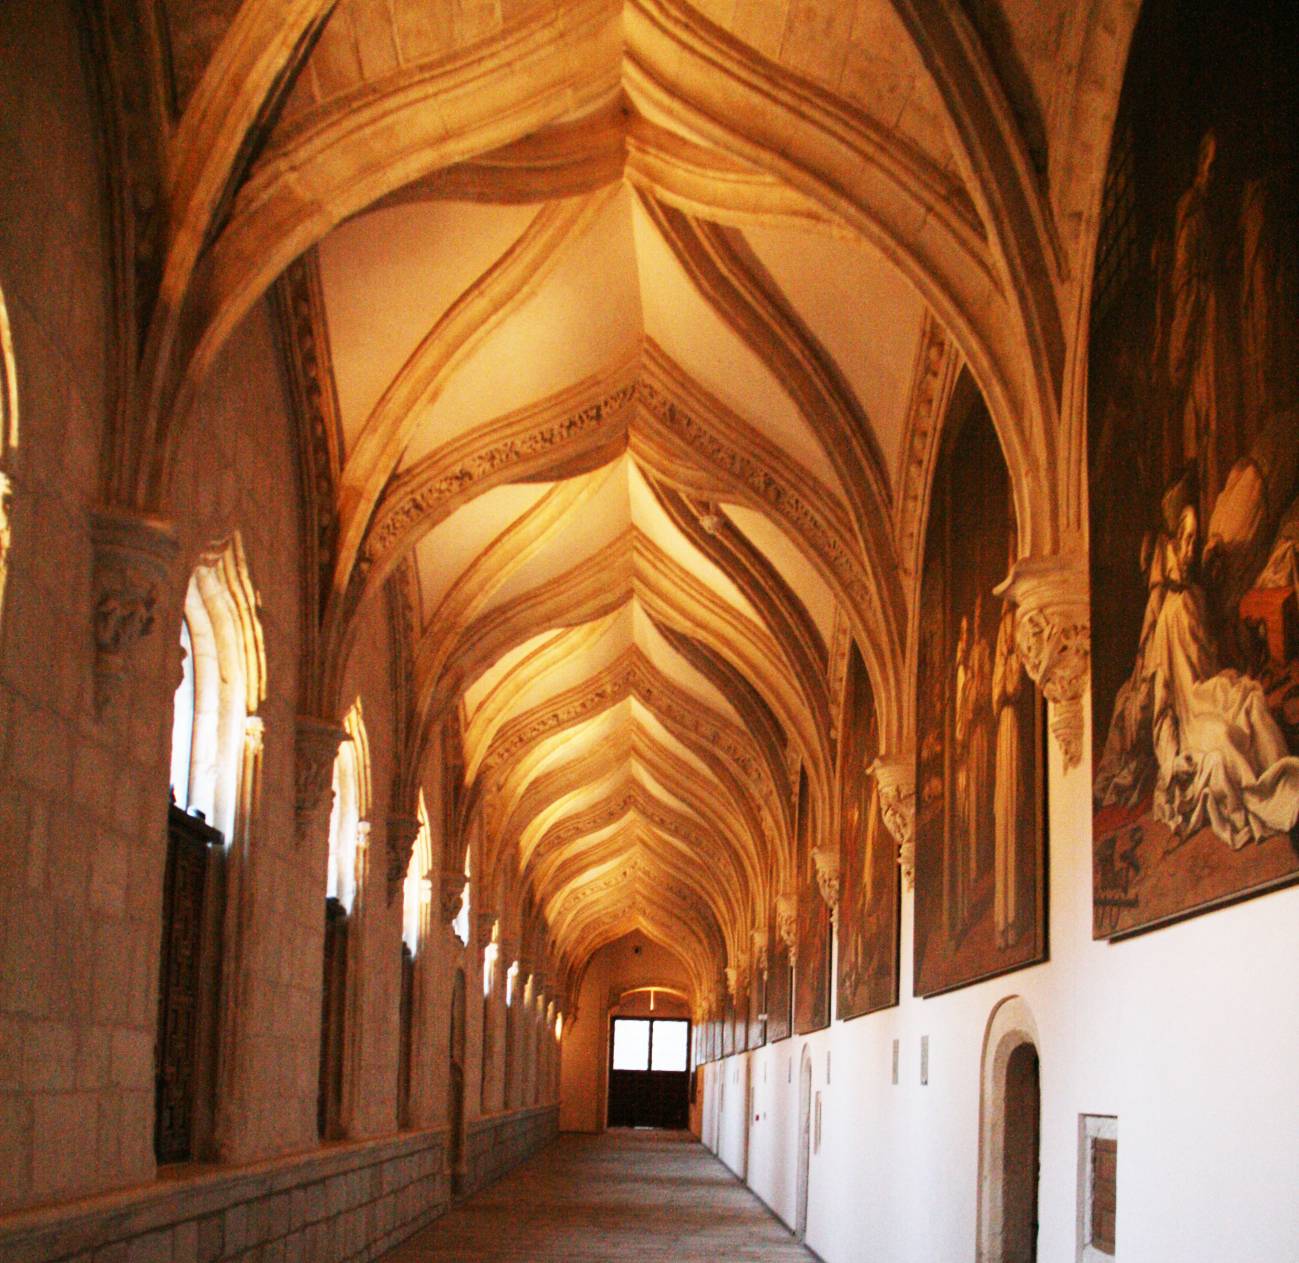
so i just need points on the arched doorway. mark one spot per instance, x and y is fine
(804, 1142)
(1009, 1136)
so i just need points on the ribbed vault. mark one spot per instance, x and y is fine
(618, 327)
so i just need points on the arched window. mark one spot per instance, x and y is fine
(348, 829)
(460, 926)
(8, 437)
(215, 750)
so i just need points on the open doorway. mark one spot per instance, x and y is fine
(804, 1143)
(649, 1072)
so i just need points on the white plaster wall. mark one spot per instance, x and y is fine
(1189, 1034)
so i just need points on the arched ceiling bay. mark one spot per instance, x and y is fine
(619, 308)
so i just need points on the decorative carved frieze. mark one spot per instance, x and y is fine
(316, 747)
(401, 834)
(787, 924)
(420, 496)
(1053, 635)
(896, 777)
(133, 558)
(827, 875)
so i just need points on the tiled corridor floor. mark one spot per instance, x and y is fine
(656, 1197)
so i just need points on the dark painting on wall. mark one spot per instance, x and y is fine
(980, 787)
(812, 962)
(779, 989)
(868, 871)
(1193, 455)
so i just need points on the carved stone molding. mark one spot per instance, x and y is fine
(827, 875)
(896, 777)
(401, 834)
(1053, 635)
(315, 748)
(787, 924)
(133, 558)
(451, 888)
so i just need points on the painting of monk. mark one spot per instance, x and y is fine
(1194, 471)
(979, 777)
(868, 871)
(812, 959)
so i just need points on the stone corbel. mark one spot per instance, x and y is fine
(316, 747)
(1053, 636)
(759, 939)
(827, 876)
(451, 890)
(736, 979)
(896, 778)
(485, 927)
(787, 924)
(133, 558)
(401, 834)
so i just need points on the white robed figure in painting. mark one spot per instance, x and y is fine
(1222, 760)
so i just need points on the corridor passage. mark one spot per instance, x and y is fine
(650, 1196)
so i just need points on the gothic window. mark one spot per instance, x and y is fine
(348, 830)
(215, 750)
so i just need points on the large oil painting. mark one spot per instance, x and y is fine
(868, 871)
(812, 963)
(980, 821)
(779, 988)
(1194, 470)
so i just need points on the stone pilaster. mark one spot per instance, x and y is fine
(896, 777)
(1053, 636)
(133, 559)
(316, 743)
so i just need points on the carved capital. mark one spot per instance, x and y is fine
(759, 939)
(133, 558)
(316, 743)
(896, 778)
(787, 923)
(485, 926)
(401, 834)
(827, 875)
(451, 890)
(736, 980)
(1053, 636)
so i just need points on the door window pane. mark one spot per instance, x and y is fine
(630, 1044)
(670, 1039)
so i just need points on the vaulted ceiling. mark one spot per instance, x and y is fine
(622, 325)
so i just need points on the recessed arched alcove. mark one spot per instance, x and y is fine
(1009, 1135)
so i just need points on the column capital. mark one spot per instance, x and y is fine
(1053, 637)
(401, 833)
(787, 923)
(132, 570)
(895, 775)
(316, 743)
(826, 861)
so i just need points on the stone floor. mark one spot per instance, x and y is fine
(656, 1196)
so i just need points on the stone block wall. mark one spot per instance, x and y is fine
(348, 1201)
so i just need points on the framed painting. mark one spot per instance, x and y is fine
(1193, 453)
(812, 963)
(868, 871)
(980, 780)
(779, 989)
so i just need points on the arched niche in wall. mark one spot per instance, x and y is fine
(1009, 1135)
